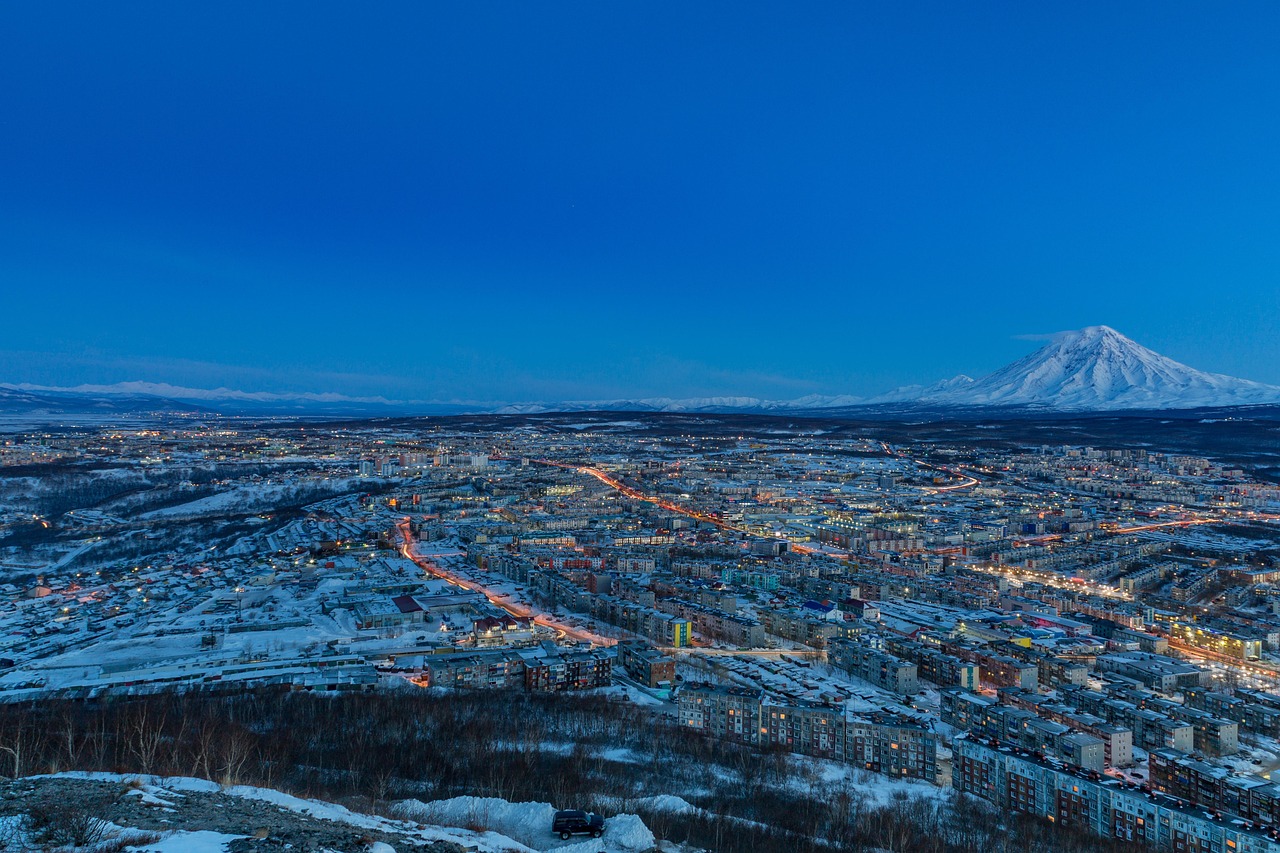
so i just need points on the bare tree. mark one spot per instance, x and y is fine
(146, 735)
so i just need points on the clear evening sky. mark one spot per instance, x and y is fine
(506, 201)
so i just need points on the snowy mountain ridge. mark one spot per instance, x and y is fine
(1099, 369)
(1091, 369)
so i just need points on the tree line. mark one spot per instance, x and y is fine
(369, 750)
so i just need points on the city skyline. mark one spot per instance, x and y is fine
(456, 205)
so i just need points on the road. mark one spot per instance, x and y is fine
(1156, 525)
(810, 654)
(966, 481)
(1051, 579)
(614, 483)
(716, 521)
(1260, 669)
(538, 617)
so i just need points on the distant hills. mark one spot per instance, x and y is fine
(1096, 369)
(20, 401)
(158, 398)
(1092, 369)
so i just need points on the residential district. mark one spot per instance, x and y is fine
(1085, 634)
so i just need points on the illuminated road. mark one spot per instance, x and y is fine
(811, 654)
(1054, 580)
(965, 483)
(1110, 527)
(718, 522)
(1186, 522)
(498, 600)
(1262, 669)
(636, 494)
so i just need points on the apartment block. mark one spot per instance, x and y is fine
(1017, 781)
(1151, 729)
(934, 665)
(879, 668)
(568, 670)
(715, 623)
(646, 664)
(982, 716)
(997, 670)
(1214, 788)
(881, 742)
(1229, 643)
(1155, 671)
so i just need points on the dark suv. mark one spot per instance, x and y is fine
(574, 822)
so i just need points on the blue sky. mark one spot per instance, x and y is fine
(550, 201)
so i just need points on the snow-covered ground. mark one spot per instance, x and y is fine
(185, 841)
(486, 825)
(529, 824)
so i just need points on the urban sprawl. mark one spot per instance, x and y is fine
(1083, 634)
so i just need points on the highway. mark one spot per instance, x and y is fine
(720, 523)
(966, 481)
(497, 599)
(1156, 525)
(614, 483)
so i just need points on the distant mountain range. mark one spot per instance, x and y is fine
(150, 397)
(1093, 369)
(19, 400)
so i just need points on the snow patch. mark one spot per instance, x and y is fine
(529, 824)
(200, 841)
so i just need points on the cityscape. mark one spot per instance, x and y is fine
(639, 428)
(1086, 634)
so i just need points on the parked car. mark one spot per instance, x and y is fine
(571, 822)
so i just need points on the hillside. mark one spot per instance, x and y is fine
(439, 759)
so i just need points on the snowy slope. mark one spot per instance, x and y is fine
(24, 400)
(687, 404)
(912, 393)
(159, 397)
(202, 816)
(1098, 368)
(1092, 369)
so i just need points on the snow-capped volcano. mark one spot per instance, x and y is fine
(1098, 368)
(1093, 369)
